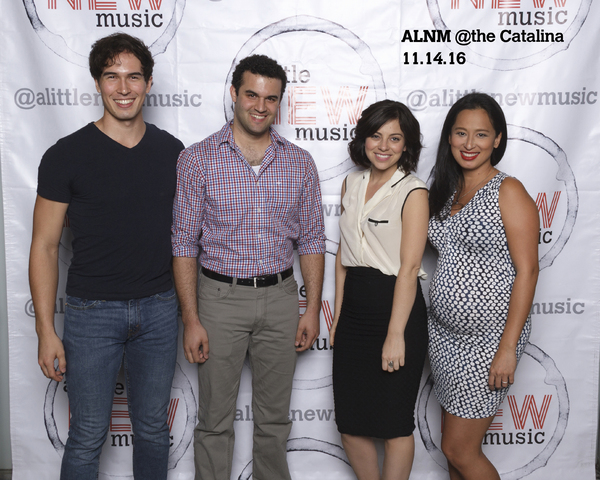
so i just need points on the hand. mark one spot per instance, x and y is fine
(195, 342)
(502, 370)
(308, 330)
(392, 354)
(50, 348)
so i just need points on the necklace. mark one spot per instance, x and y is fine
(456, 202)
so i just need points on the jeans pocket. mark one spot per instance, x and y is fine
(166, 296)
(77, 303)
(290, 286)
(211, 289)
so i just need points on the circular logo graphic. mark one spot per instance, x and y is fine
(327, 102)
(182, 419)
(553, 378)
(509, 34)
(29, 310)
(65, 26)
(564, 175)
(305, 444)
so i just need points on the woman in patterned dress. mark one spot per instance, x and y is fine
(484, 226)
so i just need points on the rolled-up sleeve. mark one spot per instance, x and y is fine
(312, 226)
(188, 206)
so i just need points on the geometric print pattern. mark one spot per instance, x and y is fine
(469, 295)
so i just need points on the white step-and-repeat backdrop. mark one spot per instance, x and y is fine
(538, 58)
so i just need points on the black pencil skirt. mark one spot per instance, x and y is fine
(368, 400)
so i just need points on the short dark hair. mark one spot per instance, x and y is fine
(378, 114)
(105, 51)
(446, 174)
(258, 65)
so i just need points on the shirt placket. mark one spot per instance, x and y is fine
(259, 221)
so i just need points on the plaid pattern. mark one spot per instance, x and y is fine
(246, 224)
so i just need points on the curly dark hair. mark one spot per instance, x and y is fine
(447, 176)
(107, 49)
(258, 65)
(376, 115)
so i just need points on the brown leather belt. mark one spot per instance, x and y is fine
(256, 282)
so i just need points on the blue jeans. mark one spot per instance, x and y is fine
(98, 335)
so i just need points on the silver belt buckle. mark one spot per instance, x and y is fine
(255, 283)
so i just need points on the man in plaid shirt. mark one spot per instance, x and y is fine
(244, 196)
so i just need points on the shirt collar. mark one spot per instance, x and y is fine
(398, 175)
(226, 136)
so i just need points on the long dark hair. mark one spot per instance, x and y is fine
(447, 176)
(376, 115)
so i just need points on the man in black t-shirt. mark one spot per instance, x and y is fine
(115, 179)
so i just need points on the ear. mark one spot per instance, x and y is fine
(233, 94)
(497, 140)
(97, 85)
(149, 84)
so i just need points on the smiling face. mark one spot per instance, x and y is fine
(473, 139)
(123, 89)
(256, 104)
(384, 148)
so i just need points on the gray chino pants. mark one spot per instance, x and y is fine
(262, 322)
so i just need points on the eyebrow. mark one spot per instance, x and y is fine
(252, 92)
(399, 134)
(477, 130)
(130, 74)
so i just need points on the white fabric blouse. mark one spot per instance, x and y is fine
(370, 232)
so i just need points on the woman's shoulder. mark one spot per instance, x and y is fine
(412, 182)
(510, 185)
(513, 196)
(355, 175)
(353, 178)
(499, 182)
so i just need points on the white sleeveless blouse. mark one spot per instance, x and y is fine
(370, 232)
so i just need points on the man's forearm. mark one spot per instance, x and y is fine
(313, 268)
(43, 282)
(185, 273)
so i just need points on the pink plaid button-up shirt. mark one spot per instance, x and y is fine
(245, 224)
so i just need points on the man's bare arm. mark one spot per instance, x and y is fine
(48, 220)
(195, 337)
(312, 267)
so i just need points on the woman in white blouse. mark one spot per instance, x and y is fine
(380, 323)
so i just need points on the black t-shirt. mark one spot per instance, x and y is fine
(120, 210)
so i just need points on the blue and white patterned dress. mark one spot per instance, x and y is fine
(469, 293)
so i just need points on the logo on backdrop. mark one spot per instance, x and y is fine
(181, 420)
(319, 105)
(26, 98)
(533, 416)
(154, 21)
(567, 306)
(445, 97)
(505, 34)
(558, 208)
